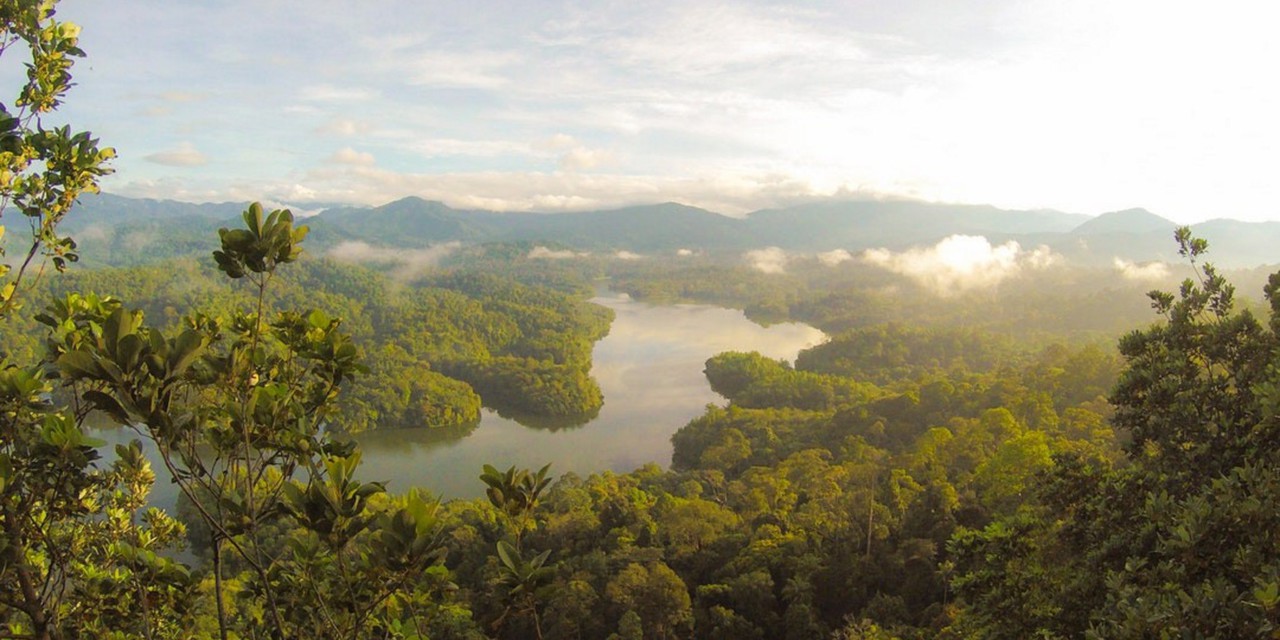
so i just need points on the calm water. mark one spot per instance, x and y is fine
(649, 368)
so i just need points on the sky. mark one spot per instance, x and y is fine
(1085, 106)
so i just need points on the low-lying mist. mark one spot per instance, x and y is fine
(960, 262)
(406, 263)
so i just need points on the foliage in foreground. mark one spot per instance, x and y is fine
(1181, 537)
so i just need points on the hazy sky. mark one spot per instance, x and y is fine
(1081, 106)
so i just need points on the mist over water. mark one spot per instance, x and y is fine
(650, 370)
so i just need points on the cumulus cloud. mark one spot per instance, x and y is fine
(961, 262)
(573, 155)
(185, 155)
(1141, 272)
(543, 253)
(627, 255)
(767, 260)
(684, 253)
(347, 155)
(834, 257)
(407, 263)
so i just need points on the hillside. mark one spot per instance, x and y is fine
(128, 231)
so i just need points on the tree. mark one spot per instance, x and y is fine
(73, 537)
(42, 171)
(657, 595)
(1180, 541)
(236, 408)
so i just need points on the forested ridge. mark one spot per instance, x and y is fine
(435, 348)
(902, 480)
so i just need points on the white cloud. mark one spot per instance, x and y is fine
(347, 155)
(543, 253)
(767, 260)
(409, 263)
(834, 257)
(1141, 272)
(185, 155)
(684, 253)
(582, 158)
(298, 212)
(627, 255)
(573, 155)
(961, 262)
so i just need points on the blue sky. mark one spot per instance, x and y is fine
(1084, 106)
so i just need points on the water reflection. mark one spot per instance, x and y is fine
(548, 423)
(650, 370)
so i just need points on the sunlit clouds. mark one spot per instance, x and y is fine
(1149, 271)
(961, 262)
(768, 260)
(834, 257)
(544, 253)
(729, 106)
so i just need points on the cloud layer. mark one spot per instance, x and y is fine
(1146, 272)
(961, 262)
(407, 264)
(834, 257)
(543, 253)
(733, 105)
(768, 260)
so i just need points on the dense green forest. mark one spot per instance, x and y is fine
(1011, 476)
(435, 348)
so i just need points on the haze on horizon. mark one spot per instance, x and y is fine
(732, 106)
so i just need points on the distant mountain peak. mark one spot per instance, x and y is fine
(1135, 220)
(413, 201)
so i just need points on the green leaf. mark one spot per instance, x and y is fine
(108, 405)
(80, 364)
(509, 556)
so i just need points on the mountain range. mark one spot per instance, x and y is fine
(128, 230)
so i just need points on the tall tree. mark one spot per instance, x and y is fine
(1179, 542)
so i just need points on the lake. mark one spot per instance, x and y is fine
(649, 368)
